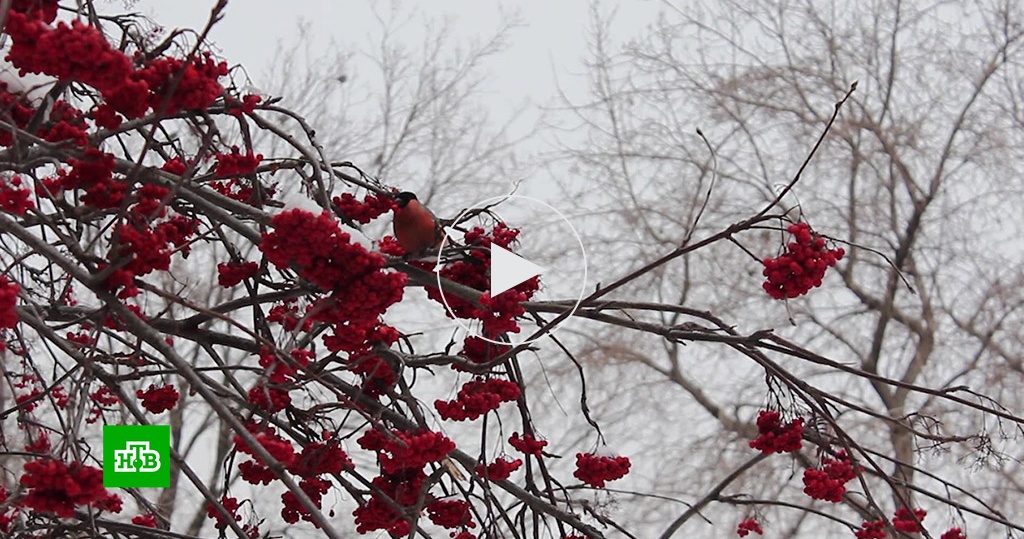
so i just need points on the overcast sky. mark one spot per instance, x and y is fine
(551, 42)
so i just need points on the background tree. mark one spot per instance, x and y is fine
(920, 173)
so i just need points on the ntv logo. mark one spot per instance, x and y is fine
(137, 457)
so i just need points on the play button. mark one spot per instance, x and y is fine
(509, 269)
(540, 229)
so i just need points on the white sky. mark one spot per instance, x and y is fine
(551, 42)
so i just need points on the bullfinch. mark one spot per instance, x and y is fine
(416, 227)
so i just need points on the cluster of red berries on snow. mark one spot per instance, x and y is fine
(802, 266)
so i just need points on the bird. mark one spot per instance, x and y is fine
(416, 227)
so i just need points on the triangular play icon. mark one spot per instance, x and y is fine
(509, 269)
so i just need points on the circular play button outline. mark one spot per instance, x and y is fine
(483, 204)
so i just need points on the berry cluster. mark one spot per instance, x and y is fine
(402, 457)
(141, 249)
(360, 290)
(58, 488)
(231, 273)
(904, 520)
(776, 437)
(8, 299)
(246, 106)
(748, 527)
(234, 164)
(874, 529)
(479, 351)
(293, 510)
(273, 395)
(595, 470)
(450, 513)
(93, 174)
(400, 451)
(147, 520)
(908, 521)
(244, 190)
(371, 207)
(828, 482)
(230, 504)
(802, 266)
(165, 85)
(476, 398)
(527, 444)
(64, 122)
(14, 198)
(499, 470)
(324, 255)
(158, 400)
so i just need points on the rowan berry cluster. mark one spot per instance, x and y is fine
(874, 529)
(480, 351)
(802, 266)
(402, 457)
(293, 510)
(230, 504)
(596, 470)
(79, 52)
(158, 399)
(8, 300)
(451, 513)
(499, 470)
(904, 520)
(476, 398)
(828, 482)
(273, 395)
(14, 198)
(748, 527)
(371, 207)
(360, 291)
(776, 437)
(58, 488)
(908, 521)
(231, 273)
(246, 106)
(527, 444)
(234, 164)
(147, 520)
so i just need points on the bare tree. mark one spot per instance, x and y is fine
(920, 174)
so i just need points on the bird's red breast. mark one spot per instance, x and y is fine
(415, 227)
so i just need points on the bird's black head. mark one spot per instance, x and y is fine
(404, 197)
